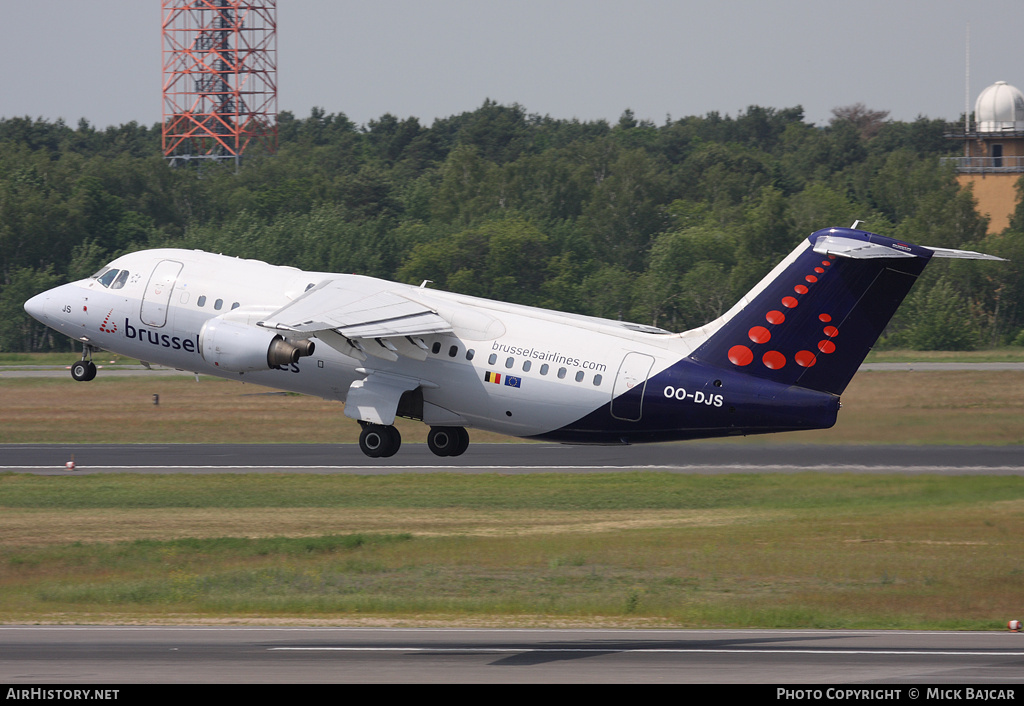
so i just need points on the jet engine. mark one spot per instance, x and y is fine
(238, 347)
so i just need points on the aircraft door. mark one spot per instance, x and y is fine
(630, 383)
(157, 296)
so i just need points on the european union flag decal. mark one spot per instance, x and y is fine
(512, 381)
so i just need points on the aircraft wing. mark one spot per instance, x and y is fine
(345, 307)
(361, 316)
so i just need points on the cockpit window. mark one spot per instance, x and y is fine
(111, 278)
(107, 277)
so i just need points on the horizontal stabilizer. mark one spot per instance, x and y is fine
(873, 247)
(857, 249)
(962, 254)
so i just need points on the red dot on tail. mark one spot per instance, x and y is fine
(831, 331)
(824, 318)
(740, 355)
(805, 359)
(800, 289)
(774, 360)
(775, 317)
(826, 347)
(759, 334)
(789, 302)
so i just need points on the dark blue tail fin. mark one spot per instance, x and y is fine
(812, 321)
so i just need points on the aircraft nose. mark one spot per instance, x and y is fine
(37, 306)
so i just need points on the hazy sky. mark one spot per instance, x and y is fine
(586, 59)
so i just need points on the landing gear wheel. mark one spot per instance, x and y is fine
(379, 441)
(83, 370)
(448, 441)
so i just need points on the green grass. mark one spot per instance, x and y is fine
(633, 549)
(586, 492)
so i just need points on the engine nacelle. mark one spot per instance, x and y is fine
(238, 347)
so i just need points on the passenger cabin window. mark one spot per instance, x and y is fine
(470, 353)
(235, 305)
(436, 348)
(579, 376)
(453, 351)
(544, 369)
(492, 358)
(218, 304)
(201, 301)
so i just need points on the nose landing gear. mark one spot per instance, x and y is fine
(84, 370)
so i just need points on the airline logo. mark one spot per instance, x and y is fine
(155, 338)
(743, 354)
(107, 326)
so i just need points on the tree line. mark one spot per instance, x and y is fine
(660, 224)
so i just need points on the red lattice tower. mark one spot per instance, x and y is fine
(220, 78)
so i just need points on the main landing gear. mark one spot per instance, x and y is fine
(379, 441)
(383, 441)
(448, 441)
(84, 370)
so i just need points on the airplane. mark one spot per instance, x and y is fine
(776, 361)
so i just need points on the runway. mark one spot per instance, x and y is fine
(511, 458)
(251, 655)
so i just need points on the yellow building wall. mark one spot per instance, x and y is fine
(996, 195)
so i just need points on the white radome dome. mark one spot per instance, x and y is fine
(1000, 108)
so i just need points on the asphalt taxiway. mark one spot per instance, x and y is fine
(33, 655)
